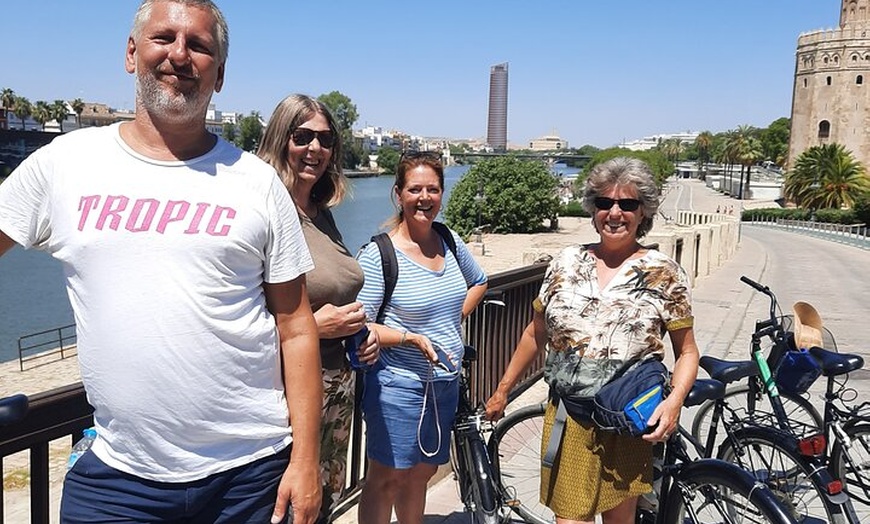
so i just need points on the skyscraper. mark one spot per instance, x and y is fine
(496, 125)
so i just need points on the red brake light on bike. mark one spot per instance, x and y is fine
(835, 487)
(813, 446)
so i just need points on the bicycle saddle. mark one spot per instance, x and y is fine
(703, 390)
(13, 409)
(834, 364)
(727, 371)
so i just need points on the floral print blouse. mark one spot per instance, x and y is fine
(591, 331)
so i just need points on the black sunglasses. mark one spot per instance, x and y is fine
(625, 204)
(412, 155)
(303, 136)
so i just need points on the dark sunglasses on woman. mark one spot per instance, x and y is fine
(625, 204)
(303, 136)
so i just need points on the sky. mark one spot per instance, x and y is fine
(595, 72)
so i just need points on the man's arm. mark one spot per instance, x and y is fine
(6, 243)
(303, 386)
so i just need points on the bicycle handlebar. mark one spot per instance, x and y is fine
(763, 289)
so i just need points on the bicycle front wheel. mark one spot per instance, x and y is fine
(710, 491)
(851, 463)
(482, 480)
(804, 418)
(515, 449)
(766, 454)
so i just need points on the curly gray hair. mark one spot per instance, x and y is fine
(624, 171)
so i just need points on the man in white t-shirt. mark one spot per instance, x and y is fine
(185, 268)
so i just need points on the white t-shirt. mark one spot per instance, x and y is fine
(164, 264)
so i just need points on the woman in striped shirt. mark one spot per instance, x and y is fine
(411, 392)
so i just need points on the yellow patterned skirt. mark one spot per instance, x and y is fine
(594, 470)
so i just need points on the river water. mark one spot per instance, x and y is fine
(33, 296)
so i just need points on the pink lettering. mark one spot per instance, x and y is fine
(215, 218)
(168, 215)
(86, 204)
(151, 214)
(137, 210)
(193, 228)
(113, 211)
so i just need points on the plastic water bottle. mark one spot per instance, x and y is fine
(80, 447)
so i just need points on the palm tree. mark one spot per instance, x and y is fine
(41, 113)
(826, 176)
(59, 112)
(21, 107)
(703, 142)
(78, 105)
(7, 98)
(730, 147)
(748, 153)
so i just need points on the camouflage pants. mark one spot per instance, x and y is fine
(338, 392)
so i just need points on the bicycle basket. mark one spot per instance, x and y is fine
(797, 371)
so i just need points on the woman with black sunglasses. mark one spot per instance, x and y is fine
(303, 144)
(601, 306)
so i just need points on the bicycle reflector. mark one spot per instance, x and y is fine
(835, 487)
(813, 446)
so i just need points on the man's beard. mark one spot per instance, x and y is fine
(166, 103)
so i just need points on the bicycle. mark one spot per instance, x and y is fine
(469, 457)
(751, 398)
(692, 491)
(783, 452)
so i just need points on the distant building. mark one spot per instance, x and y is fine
(496, 127)
(831, 102)
(548, 143)
(650, 142)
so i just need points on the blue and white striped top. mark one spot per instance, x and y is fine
(425, 301)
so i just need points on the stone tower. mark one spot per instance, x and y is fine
(831, 98)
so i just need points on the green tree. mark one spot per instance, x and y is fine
(704, 141)
(58, 112)
(508, 194)
(78, 106)
(345, 114)
(7, 98)
(748, 154)
(388, 159)
(41, 113)
(660, 166)
(22, 107)
(826, 176)
(229, 132)
(250, 132)
(774, 140)
(342, 108)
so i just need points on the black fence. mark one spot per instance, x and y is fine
(46, 346)
(493, 330)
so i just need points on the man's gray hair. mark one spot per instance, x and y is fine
(222, 32)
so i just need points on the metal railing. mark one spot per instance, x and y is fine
(849, 234)
(38, 346)
(64, 412)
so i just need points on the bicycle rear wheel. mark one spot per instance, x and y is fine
(767, 455)
(710, 491)
(851, 464)
(804, 418)
(515, 449)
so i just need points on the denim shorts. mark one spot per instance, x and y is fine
(95, 492)
(392, 405)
